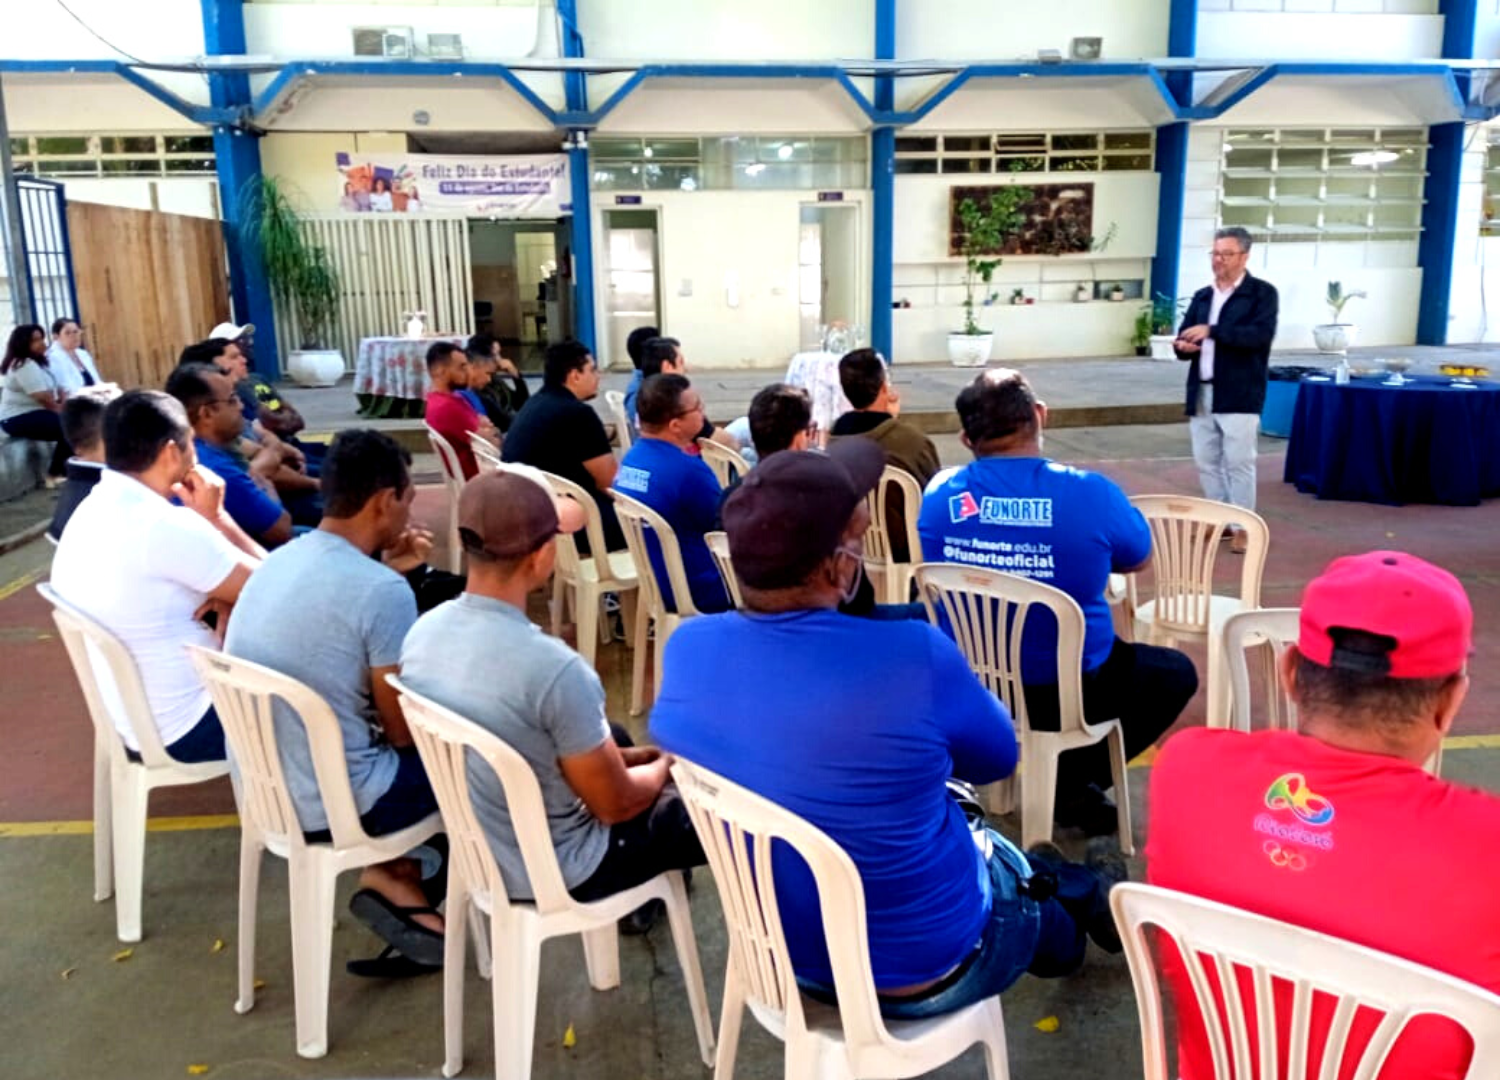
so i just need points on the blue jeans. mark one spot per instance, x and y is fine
(1046, 938)
(204, 742)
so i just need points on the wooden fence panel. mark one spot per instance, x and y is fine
(149, 283)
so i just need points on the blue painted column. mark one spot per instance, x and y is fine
(237, 159)
(883, 189)
(1445, 156)
(1171, 154)
(575, 87)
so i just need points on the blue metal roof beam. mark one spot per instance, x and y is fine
(833, 72)
(200, 114)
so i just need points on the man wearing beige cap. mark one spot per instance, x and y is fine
(613, 819)
(1337, 826)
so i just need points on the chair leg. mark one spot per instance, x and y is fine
(586, 622)
(1218, 683)
(680, 916)
(311, 892)
(638, 659)
(454, 943)
(1038, 792)
(128, 820)
(601, 955)
(1117, 767)
(996, 1055)
(104, 858)
(250, 859)
(481, 942)
(517, 959)
(559, 589)
(731, 1014)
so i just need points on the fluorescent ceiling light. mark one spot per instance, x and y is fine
(1373, 158)
(784, 151)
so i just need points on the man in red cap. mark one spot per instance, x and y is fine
(1337, 826)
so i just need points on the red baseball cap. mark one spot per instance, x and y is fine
(1419, 606)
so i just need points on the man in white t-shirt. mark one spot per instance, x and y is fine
(152, 572)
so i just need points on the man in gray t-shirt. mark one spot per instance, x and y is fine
(327, 614)
(614, 819)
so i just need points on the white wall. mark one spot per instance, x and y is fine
(1387, 270)
(985, 30)
(710, 240)
(692, 30)
(1487, 29)
(307, 162)
(927, 276)
(1318, 30)
(1474, 301)
(194, 197)
(736, 107)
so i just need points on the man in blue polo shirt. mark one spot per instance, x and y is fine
(217, 418)
(1015, 511)
(660, 472)
(856, 725)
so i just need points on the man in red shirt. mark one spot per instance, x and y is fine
(448, 414)
(1336, 826)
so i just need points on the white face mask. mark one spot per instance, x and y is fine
(852, 589)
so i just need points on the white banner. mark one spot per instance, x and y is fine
(513, 186)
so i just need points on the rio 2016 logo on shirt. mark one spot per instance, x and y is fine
(1290, 792)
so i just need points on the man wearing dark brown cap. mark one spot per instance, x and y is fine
(613, 819)
(857, 725)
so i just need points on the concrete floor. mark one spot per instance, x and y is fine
(68, 1008)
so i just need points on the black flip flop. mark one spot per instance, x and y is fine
(395, 926)
(390, 964)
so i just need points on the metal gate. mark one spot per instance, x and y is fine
(49, 254)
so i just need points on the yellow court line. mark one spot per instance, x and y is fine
(10, 588)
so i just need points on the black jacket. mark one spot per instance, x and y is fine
(1242, 345)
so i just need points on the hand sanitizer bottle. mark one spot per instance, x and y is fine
(1341, 373)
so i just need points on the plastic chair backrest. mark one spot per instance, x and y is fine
(986, 612)
(726, 463)
(737, 829)
(1311, 963)
(1278, 627)
(567, 547)
(878, 536)
(718, 546)
(616, 402)
(636, 519)
(449, 743)
(244, 696)
(110, 680)
(1185, 535)
(486, 453)
(453, 470)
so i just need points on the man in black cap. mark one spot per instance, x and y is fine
(857, 725)
(614, 819)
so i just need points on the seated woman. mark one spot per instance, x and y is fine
(71, 364)
(30, 397)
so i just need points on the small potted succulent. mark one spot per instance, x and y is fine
(1336, 336)
(1084, 293)
(1018, 297)
(1116, 292)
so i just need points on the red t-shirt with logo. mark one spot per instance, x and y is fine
(1359, 846)
(453, 418)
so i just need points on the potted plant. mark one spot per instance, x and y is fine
(1336, 336)
(1140, 334)
(984, 231)
(1018, 296)
(1083, 294)
(1116, 292)
(302, 279)
(1163, 312)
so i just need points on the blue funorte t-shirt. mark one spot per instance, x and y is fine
(1053, 523)
(250, 507)
(682, 489)
(854, 725)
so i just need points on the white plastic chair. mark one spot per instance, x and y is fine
(636, 519)
(122, 787)
(727, 464)
(486, 453)
(586, 578)
(737, 828)
(1185, 544)
(446, 741)
(718, 546)
(1273, 629)
(1312, 963)
(616, 402)
(986, 611)
(453, 481)
(894, 577)
(243, 694)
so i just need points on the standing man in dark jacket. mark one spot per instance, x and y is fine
(1226, 335)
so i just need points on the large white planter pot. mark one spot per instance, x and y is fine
(315, 367)
(1333, 337)
(1161, 347)
(970, 350)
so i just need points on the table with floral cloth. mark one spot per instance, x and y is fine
(390, 374)
(818, 373)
